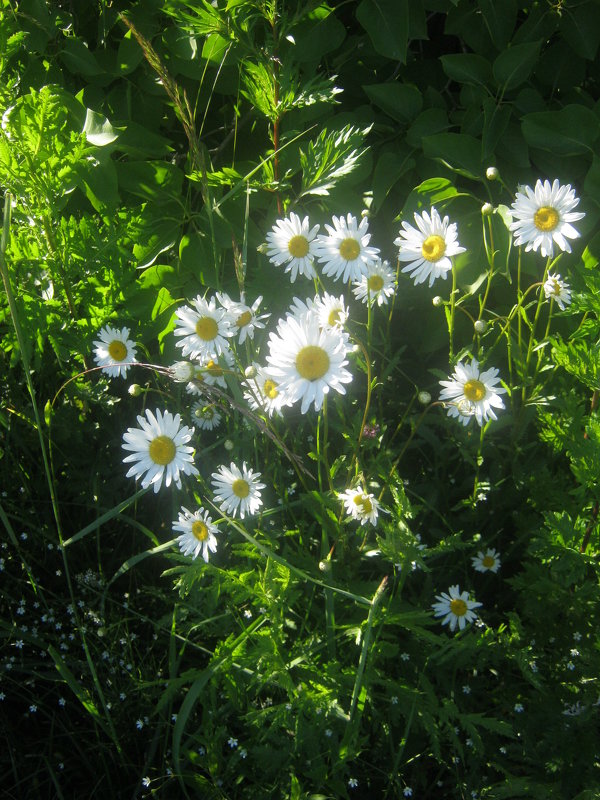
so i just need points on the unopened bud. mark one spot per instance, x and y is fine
(135, 390)
(487, 209)
(437, 301)
(492, 173)
(325, 566)
(183, 371)
(480, 326)
(250, 372)
(424, 398)
(228, 445)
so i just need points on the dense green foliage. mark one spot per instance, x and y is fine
(146, 150)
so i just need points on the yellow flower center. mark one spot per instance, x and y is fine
(312, 362)
(334, 316)
(433, 248)
(200, 530)
(488, 561)
(207, 328)
(375, 283)
(546, 218)
(117, 350)
(244, 319)
(349, 249)
(240, 488)
(298, 246)
(270, 389)
(555, 287)
(458, 607)
(214, 369)
(364, 503)
(474, 390)
(162, 450)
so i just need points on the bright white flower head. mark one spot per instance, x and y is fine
(183, 371)
(205, 416)
(292, 242)
(212, 371)
(204, 328)
(379, 283)
(558, 290)
(455, 608)
(486, 562)
(114, 351)
(543, 217)
(263, 392)
(360, 505)
(428, 249)
(159, 449)
(197, 533)
(331, 311)
(245, 319)
(345, 252)
(307, 361)
(471, 393)
(237, 490)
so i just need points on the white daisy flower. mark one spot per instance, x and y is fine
(114, 351)
(429, 248)
(292, 242)
(205, 329)
(205, 416)
(159, 449)
(237, 490)
(379, 283)
(306, 361)
(486, 562)
(213, 370)
(197, 533)
(558, 290)
(471, 393)
(360, 505)
(544, 216)
(455, 607)
(263, 392)
(345, 252)
(183, 371)
(245, 318)
(331, 311)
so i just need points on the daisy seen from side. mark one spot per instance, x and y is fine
(486, 562)
(204, 329)
(360, 505)
(263, 393)
(345, 252)
(114, 351)
(159, 450)
(307, 361)
(543, 216)
(245, 319)
(378, 284)
(471, 393)
(557, 289)
(455, 607)
(428, 248)
(197, 533)
(237, 491)
(331, 311)
(292, 242)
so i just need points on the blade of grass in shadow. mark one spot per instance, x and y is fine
(111, 514)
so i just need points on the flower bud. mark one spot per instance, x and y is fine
(135, 390)
(437, 301)
(250, 372)
(424, 398)
(480, 326)
(492, 173)
(325, 566)
(183, 371)
(228, 445)
(487, 209)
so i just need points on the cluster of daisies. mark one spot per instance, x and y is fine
(308, 351)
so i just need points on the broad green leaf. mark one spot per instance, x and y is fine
(572, 130)
(513, 66)
(495, 121)
(79, 60)
(580, 25)
(401, 101)
(389, 169)
(458, 151)
(98, 130)
(467, 68)
(159, 181)
(318, 34)
(387, 23)
(430, 121)
(500, 19)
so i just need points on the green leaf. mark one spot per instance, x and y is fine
(458, 151)
(580, 25)
(401, 101)
(79, 60)
(98, 130)
(495, 121)
(500, 19)
(430, 121)
(467, 68)
(329, 157)
(389, 169)
(151, 180)
(513, 66)
(387, 23)
(572, 130)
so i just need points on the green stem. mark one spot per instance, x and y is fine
(538, 309)
(452, 309)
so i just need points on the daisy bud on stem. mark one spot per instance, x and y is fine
(492, 174)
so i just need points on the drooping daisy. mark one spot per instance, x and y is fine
(159, 449)
(213, 369)
(558, 290)
(455, 607)
(183, 371)
(114, 351)
(486, 562)
(204, 328)
(292, 242)
(471, 393)
(237, 490)
(197, 533)
(543, 217)
(205, 416)
(345, 252)
(428, 249)
(245, 318)
(263, 392)
(331, 311)
(306, 361)
(360, 505)
(379, 283)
